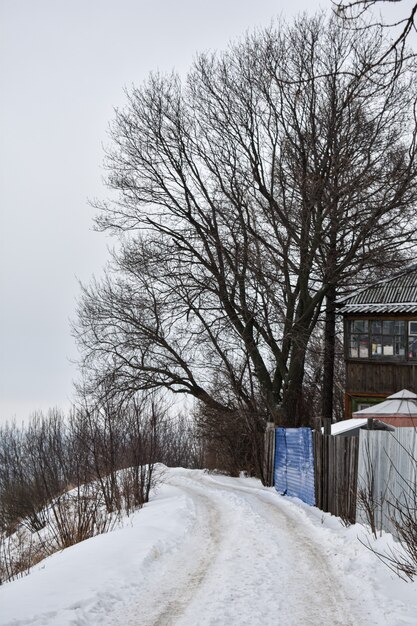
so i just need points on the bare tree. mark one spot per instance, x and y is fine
(247, 197)
(361, 14)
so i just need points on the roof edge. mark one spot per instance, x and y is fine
(407, 270)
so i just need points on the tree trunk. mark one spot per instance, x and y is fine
(293, 410)
(328, 359)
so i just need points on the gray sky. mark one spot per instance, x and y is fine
(63, 66)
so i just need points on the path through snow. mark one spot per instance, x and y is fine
(213, 551)
(249, 559)
(246, 562)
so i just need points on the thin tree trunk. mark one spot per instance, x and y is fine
(328, 360)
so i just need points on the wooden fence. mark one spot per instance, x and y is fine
(336, 474)
(370, 479)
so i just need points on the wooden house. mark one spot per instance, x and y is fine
(380, 331)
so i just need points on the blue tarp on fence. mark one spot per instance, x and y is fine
(294, 463)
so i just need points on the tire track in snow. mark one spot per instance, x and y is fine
(307, 596)
(247, 561)
(325, 601)
(175, 577)
(183, 594)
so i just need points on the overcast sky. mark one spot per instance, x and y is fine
(63, 67)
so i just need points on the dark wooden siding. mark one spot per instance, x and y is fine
(384, 378)
(336, 472)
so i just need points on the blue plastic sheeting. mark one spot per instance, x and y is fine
(294, 463)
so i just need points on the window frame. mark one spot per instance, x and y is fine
(403, 339)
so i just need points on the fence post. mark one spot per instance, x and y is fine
(269, 454)
(318, 468)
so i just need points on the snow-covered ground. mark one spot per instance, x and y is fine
(214, 550)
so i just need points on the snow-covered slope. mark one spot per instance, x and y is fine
(213, 550)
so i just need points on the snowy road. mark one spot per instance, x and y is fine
(246, 561)
(211, 550)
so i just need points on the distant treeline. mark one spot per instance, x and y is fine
(65, 478)
(55, 453)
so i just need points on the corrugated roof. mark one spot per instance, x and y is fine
(397, 294)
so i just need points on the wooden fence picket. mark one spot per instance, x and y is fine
(336, 471)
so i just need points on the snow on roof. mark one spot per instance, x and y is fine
(345, 425)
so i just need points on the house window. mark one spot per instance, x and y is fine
(359, 339)
(412, 340)
(382, 339)
(363, 405)
(387, 338)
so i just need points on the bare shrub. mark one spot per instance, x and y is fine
(234, 444)
(77, 515)
(403, 515)
(179, 442)
(64, 479)
(19, 553)
(367, 500)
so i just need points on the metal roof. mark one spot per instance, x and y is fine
(397, 294)
(391, 407)
(404, 394)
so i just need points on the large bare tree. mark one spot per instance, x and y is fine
(246, 196)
